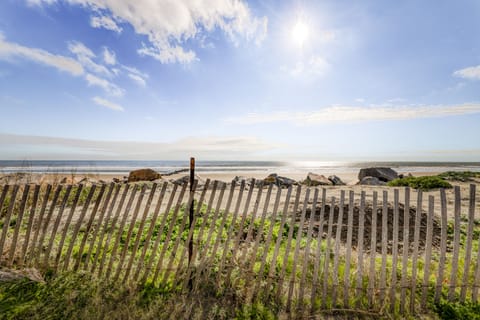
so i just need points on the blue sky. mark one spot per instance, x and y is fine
(240, 80)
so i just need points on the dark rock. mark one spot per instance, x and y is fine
(382, 174)
(143, 175)
(336, 180)
(313, 180)
(371, 181)
(282, 182)
(186, 179)
(116, 180)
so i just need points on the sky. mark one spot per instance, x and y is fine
(240, 80)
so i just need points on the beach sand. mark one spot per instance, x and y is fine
(350, 178)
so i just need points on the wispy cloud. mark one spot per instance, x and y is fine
(85, 56)
(471, 73)
(312, 67)
(358, 114)
(109, 56)
(107, 104)
(169, 24)
(208, 148)
(9, 50)
(106, 85)
(105, 22)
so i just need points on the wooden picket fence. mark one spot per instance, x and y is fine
(295, 247)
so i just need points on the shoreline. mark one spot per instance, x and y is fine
(350, 178)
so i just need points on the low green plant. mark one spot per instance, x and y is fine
(462, 176)
(457, 310)
(424, 183)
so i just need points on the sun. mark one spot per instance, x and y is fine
(300, 33)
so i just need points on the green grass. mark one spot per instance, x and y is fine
(423, 183)
(462, 176)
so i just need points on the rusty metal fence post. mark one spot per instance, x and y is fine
(191, 216)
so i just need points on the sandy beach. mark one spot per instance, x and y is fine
(350, 179)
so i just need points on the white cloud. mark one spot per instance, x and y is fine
(106, 85)
(169, 24)
(109, 57)
(136, 75)
(107, 104)
(207, 148)
(105, 22)
(85, 56)
(62, 63)
(139, 80)
(472, 73)
(358, 114)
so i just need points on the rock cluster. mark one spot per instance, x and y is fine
(376, 176)
(143, 175)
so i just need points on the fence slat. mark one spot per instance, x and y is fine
(468, 248)
(169, 232)
(67, 225)
(97, 226)
(283, 221)
(188, 278)
(336, 260)
(383, 270)
(100, 246)
(230, 229)
(56, 224)
(226, 213)
(38, 224)
(182, 227)
(240, 231)
(77, 226)
(361, 231)
(327, 253)
(131, 226)
(140, 231)
(416, 239)
(298, 240)
(373, 250)
(428, 251)
(289, 243)
(6, 222)
(306, 258)
(443, 245)
(151, 228)
(3, 196)
(476, 283)
(318, 252)
(456, 245)
(18, 224)
(88, 228)
(251, 262)
(348, 245)
(31, 218)
(111, 227)
(406, 248)
(203, 259)
(46, 223)
(393, 281)
(160, 232)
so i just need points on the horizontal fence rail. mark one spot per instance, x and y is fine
(298, 247)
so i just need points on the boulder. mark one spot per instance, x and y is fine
(313, 180)
(282, 182)
(382, 174)
(143, 175)
(186, 179)
(336, 180)
(371, 181)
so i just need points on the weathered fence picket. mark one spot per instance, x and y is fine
(293, 246)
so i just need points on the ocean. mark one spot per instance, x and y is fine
(123, 166)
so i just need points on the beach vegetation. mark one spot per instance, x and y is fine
(424, 183)
(462, 176)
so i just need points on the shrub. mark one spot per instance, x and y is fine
(451, 310)
(462, 176)
(423, 183)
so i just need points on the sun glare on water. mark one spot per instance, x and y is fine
(300, 33)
